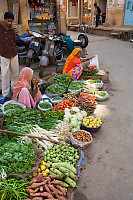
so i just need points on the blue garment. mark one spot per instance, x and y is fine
(69, 43)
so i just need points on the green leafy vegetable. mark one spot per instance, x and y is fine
(55, 89)
(45, 105)
(16, 157)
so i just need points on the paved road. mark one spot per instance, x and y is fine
(108, 173)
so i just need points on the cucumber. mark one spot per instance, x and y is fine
(70, 173)
(70, 182)
(62, 183)
(56, 171)
(66, 165)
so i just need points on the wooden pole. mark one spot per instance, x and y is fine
(30, 136)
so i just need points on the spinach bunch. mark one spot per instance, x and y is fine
(55, 114)
(55, 89)
(63, 80)
(28, 116)
(16, 157)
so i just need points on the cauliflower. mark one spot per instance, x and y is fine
(75, 116)
(67, 115)
(67, 110)
(84, 113)
(80, 116)
(76, 109)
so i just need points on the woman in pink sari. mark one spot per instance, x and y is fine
(26, 89)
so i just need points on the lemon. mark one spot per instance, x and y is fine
(34, 174)
(43, 167)
(39, 170)
(47, 171)
(47, 165)
(45, 174)
(98, 125)
(43, 163)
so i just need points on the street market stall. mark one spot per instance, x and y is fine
(41, 150)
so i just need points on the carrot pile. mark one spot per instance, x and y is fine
(45, 188)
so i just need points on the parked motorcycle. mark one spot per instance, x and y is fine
(51, 49)
(23, 42)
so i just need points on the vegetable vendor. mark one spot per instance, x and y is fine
(73, 65)
(26, 89)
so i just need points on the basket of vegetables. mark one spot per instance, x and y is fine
(75, 87)
(91, 124)
(45, 106)
(101, 95)
(42, 100)
(81, 138)
(55, 90)
(96, 83)
(56, 100)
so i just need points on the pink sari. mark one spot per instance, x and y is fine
(22, 87)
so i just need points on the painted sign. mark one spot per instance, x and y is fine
(62, 6)
(115, 3)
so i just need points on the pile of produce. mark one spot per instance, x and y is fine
(56, 98)
(25, 116)
(45, 188)
(64, 172)
(63, 80)
(92, 72)
(48, 136)
(101, 95)
(12, 106)
(64, 104)
(13, 189)
(55, 89)
(82, 136)
(92, 122)
(71, 97)
(74, 116)
(49, 124)
(61, 153)
(84, 107)
(76, 85)
(43, 168)
(55, 114)
(15, 156)
(45, 105)
(63, 129)
(87, 99)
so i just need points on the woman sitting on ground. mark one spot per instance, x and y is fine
(26, 89)
(73, 65)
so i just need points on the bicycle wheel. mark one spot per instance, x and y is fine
(89, 28)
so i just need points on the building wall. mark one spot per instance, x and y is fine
(115, 12)
(3, 8)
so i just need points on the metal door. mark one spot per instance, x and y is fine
(128, 19)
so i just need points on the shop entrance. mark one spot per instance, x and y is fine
(103, 6)
(42, 16)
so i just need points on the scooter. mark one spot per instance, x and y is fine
(35, 47)
(23, 42)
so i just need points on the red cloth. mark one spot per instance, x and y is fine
(8, 47)
(73, 63)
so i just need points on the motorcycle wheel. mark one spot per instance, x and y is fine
(41, 71)
(83, 37)
(28, 62)
(61, 35)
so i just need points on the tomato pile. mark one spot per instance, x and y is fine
(64, 104)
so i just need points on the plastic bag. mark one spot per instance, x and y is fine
(94, 64)
(101, 98)
(78, 143)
